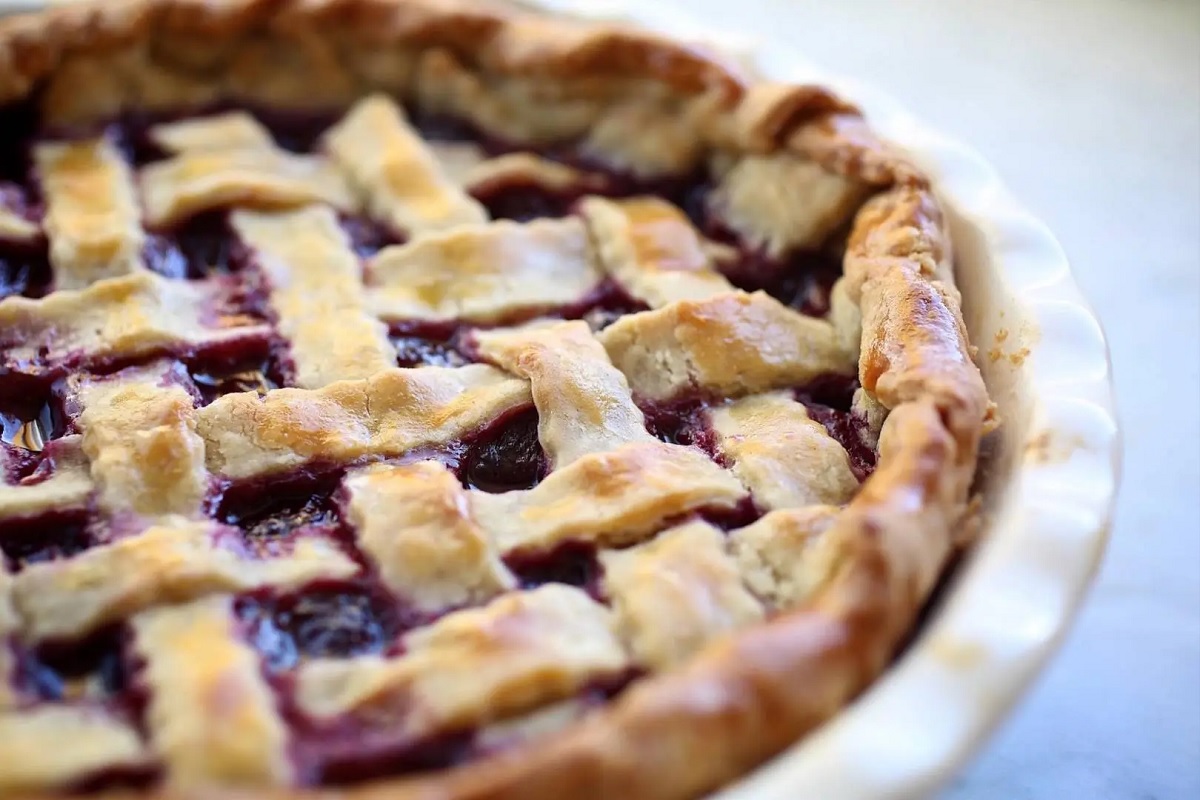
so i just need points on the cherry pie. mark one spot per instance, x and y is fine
(443, 400)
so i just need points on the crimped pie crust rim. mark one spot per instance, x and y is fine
(1048, 532)
(741, 677)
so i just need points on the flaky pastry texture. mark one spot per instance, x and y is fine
(859, 568)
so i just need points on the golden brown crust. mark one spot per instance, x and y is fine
(745, 697)
(770, 111)
(842, 143)
(104, 56)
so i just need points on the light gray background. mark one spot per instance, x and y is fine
(1090, 109)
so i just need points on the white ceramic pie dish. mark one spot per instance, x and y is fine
(1049, 485)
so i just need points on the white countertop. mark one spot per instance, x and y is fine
(1090, 109)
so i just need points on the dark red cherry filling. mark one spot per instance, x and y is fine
(525, 203)
(114, 779)
(326, 620)
(28, 467)
(91, 669)
(368, 237)
(802, 280)
(728, 519)
(829, 402)
(436, 127)
(97, 671)
(418, 351)
(422, 344)
(351, 752)
(131, 134)
(604, 305)
(835, 391)
(295, 130)
(806, 283)
(848, 430)
(504, 456)
(572, 563)
(49, 537)
(277, 508)
(17, 463)
(24, 266)
(255, 376)
(441, 344)
(24, 270)
(683, 421)
(201, 247)
(240, 300)
(340, 619)
(18, 128)
(257, 368)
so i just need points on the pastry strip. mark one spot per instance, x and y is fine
(211, 716)
(316, 293)
(521, 651)
(389, 414)
(92, 217)
(392, 168)
(484, 273)
(173, 562)
(609, 499)
(584, 403)
(415, 523)
(675, 593)
(784, 458)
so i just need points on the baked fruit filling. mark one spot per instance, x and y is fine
(343, 584)
(446, 434)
